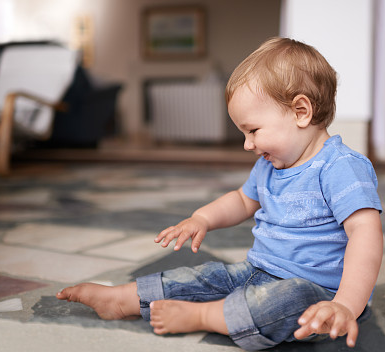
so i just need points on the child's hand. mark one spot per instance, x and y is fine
(328, 318)
(194, 227)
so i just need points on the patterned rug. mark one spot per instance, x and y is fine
(62, 224)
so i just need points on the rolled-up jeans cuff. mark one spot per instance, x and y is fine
(149, 289)
(240, 324)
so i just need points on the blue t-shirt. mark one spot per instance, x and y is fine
(299, 228)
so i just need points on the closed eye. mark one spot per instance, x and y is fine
(253, 131)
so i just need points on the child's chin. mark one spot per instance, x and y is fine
(278, 165)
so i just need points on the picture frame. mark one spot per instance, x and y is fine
(174, 32)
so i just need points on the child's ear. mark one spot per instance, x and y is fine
(303, 110)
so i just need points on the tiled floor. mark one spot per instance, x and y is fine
(10, 286)
(65, 223)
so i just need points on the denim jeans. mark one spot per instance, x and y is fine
(260, 310)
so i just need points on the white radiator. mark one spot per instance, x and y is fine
(188, 111)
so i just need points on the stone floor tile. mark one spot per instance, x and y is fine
(124, 201)
(135, 249)
(95, 172)
(231, 255)
(175, 259)
(234, 178)
(11, 286)
(24, 215)
(32, 197)
(61, 238)
(38, 264)
(63, 338)
(11, 305)
(123, 180)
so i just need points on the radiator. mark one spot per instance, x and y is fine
(188, 111)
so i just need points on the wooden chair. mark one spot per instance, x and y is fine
(33, 76)
(6, 126)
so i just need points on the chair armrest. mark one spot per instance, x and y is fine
(13, 96)
(6, 124)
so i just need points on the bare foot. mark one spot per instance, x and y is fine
(110, 303)
(173, 317)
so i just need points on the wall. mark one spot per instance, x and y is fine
(235, 28)
(343, 32)
(43, 19)
(378, 124)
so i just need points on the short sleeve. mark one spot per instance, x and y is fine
(349, 184)
(249, 188)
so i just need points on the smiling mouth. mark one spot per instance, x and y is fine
(266, 156)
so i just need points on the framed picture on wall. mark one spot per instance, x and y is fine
(173, 32)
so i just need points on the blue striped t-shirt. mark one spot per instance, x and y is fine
(299, 229)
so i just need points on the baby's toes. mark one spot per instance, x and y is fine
(63, 294)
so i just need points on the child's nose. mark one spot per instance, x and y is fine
(248, 145)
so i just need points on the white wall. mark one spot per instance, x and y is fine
(378, 126)
(6, 19)
(342, 30)
(43, 19)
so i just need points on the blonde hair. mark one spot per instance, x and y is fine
(284, 68)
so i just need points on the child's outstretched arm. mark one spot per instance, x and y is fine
(362, 263)
(228, 210)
